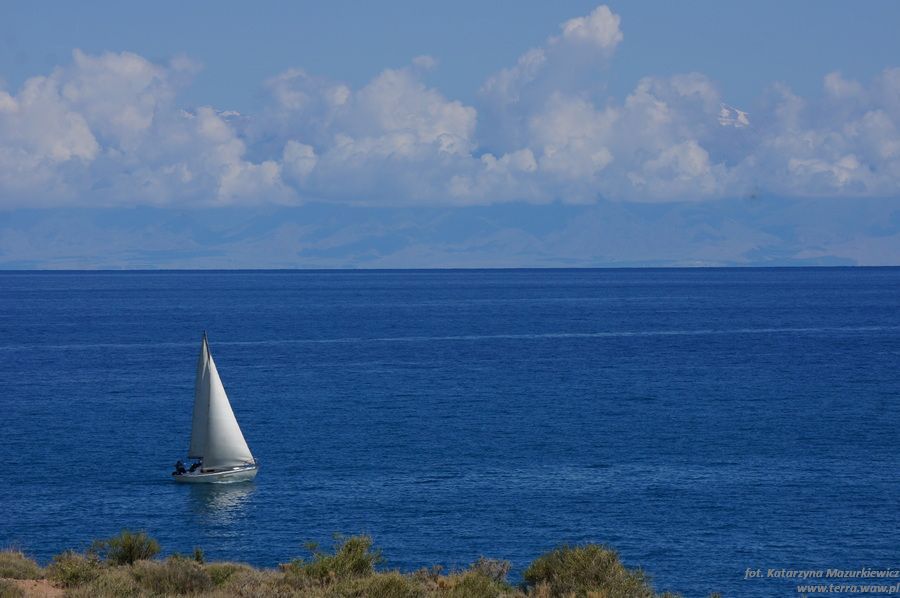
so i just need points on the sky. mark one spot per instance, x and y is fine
(402, 134)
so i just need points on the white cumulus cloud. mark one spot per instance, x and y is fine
(600, 28)
(108, 129)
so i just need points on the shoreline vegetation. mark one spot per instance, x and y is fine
(129, 565)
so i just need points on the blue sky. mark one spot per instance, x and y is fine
(744, 47)
(571, 133)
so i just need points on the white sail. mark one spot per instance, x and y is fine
(201, 404)
(225, 444)
(216, 437)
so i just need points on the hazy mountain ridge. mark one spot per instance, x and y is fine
(743, 232)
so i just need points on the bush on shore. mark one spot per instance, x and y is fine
(580, 570)
(126, 548)
(124, 566)
(352, 558)
(590, 570)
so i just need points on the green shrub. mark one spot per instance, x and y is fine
(579, 570)
(173, 576)
(126, 548)
(14, 564)
(72, 569)
(198, 554)
(9, 589)
(352, 558)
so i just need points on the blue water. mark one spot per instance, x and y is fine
(699, 421)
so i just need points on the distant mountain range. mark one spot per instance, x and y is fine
(759, 231)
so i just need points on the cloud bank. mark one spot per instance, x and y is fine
(108, 130)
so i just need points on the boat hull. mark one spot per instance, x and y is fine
(230, 476)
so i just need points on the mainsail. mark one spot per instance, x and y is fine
(201, 403)
(216, 437)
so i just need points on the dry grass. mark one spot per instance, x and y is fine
(15, 565)
(111, 582)
(71, 569)
(10, 589)
(29, 588)
(221, 573)
(252, 583)
(173, 576)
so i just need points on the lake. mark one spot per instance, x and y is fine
(699, 421)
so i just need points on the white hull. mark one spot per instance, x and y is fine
(237, 474)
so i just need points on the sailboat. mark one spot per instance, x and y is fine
(216, 439)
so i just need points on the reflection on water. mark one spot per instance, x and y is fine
(220, 503)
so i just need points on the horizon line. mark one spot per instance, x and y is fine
(449, 269)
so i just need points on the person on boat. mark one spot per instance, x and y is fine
(179, 468)
(194, 466)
